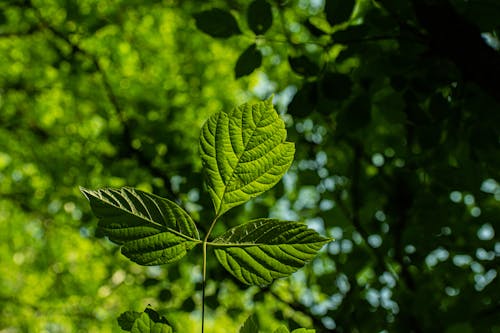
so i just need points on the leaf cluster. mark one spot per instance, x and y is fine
(244, 154)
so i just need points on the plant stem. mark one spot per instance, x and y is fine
(204, 273)
(203, 285)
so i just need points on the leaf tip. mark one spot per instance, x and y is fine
(85, 192)
(270, 99)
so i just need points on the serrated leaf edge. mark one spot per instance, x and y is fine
(86, 192)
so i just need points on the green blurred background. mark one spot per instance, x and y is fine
(394, 108)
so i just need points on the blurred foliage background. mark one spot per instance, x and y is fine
(394, 108)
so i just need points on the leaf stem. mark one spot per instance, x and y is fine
(203, 286)
(204, 272)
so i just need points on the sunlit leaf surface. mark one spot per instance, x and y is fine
(244, 153)
(151, 230)
(265, 249)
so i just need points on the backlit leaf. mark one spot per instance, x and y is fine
(250, 325)
(262, 250)
(282, 329)
(244, 153)
(145, 324)
(217, 23)
(151, 230)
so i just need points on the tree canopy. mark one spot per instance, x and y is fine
(394, 109)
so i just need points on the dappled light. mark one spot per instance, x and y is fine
(382, 159)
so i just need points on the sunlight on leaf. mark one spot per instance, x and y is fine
(244, 153)
(282, 329)
(146, 325)
(250, 325)
(151, 230)
(262, 250)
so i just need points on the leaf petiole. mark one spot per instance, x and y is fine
(204, 271)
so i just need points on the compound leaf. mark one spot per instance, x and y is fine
(244, 153)
(217, 23)
(262, 250)
(152, 230)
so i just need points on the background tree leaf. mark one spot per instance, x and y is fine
(303, 65)
(304, 101)
(152, 230)
(217, 23)
(248, 61)
(244, 153)
(282, 329)
(126, 319)
(259, 16)
(338, 11)
(251, 325)
(145, 324)
(262, 250)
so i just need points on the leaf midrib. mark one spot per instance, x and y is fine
(226, 186)
(156, 225)
(215, 244)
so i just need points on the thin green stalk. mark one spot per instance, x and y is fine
(204, 273)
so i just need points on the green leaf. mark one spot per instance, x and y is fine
(251, 325)
(248, 61)
(217, 23)
(126, 319)
(303, 65)
(145, 324)
(152, 230)
(265, 249)
(155, 316)
(282, 329)
(338, 11)
(244, 153)
(259, 16)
